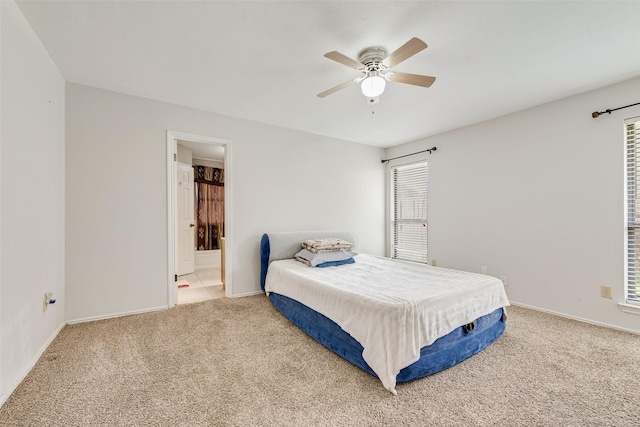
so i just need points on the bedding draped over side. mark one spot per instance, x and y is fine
(393, 308)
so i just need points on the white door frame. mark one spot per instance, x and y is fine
(172, 154)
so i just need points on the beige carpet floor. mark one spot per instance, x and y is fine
(238, 362)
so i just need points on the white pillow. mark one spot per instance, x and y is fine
(313, 258)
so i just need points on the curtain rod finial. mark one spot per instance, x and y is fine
(610, 110)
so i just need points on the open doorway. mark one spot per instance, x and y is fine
(199, 199)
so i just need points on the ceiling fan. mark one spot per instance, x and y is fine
(375, 65)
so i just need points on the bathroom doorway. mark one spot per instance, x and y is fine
(199, 210)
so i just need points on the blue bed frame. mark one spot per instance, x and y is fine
(449, 350)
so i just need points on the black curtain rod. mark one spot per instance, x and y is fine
(597, 114)
(407, 155)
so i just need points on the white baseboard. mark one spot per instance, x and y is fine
(111, 316)
(32, 363)
(246, 294)
(567, 316)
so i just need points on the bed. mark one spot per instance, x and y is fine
(396, 320)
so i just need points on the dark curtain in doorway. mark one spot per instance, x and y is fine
(209, 206)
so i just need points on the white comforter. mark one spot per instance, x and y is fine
(392, 308)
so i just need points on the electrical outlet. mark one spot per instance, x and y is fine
(505, 282)
(483, 269)
(433, 262)
(605, 291)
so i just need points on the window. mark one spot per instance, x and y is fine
(409, 212)
(632, 127)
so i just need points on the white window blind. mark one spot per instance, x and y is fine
(633, 205)
(409, 212)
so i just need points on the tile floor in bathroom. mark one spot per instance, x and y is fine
(204, 284)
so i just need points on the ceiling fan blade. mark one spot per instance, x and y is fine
(345, 60)
(337, 88)
(405, 51)
(412, 79)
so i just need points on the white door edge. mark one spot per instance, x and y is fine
(185, 246)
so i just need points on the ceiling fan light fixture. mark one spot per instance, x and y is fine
(373, 85)
(375, 66)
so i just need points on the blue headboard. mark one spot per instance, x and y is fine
(283, 245)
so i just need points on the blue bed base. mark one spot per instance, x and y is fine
(449, 350)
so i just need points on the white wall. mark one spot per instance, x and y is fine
(538, 196)
(116, 195)
(32, 198)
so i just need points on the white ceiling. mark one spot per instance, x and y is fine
(204, 151)
(263, 60)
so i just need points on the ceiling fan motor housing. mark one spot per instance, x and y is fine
(372, 57)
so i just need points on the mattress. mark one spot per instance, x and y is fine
(392, 308)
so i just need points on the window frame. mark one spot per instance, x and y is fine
(392, 204)
(632, 203)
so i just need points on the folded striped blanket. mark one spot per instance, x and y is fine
(326, 245)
